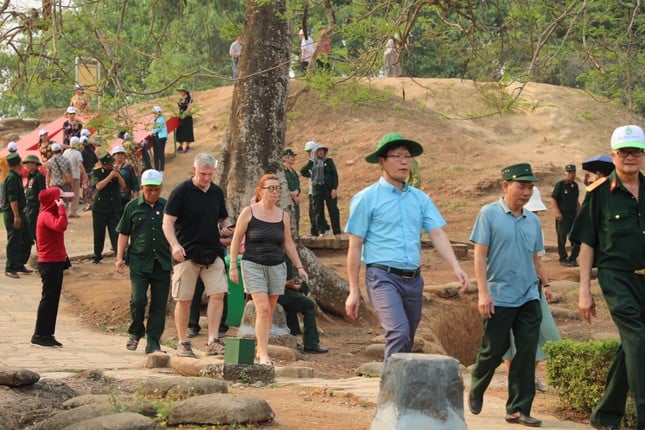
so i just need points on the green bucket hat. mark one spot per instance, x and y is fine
(519, 172)
(32, 159)
(390, 140)
(183, 87)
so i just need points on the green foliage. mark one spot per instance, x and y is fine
(578, 370)
(163, 408)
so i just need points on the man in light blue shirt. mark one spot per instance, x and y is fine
(385, 224)
(159, 136)
(507, 241)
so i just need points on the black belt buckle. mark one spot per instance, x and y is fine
(408, 274)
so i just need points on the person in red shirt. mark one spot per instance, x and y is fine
(52, 258)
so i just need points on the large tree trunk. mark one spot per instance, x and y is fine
(255, 137)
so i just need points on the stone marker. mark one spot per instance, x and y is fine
(420, 391)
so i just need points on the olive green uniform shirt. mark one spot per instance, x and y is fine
(107, 200)
(612, 222)
(566, 195)
(293, 183)
(150, 243)
(13, 192)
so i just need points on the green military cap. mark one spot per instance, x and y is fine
(288, 151)
(519, 172)
(32, 159)
(390, 140)
(105, 157)
(13, 159)
(183, 87)
(570, 168)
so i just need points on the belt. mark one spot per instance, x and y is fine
(408, 274)
(640, 271)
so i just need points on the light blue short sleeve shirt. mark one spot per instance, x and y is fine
(511, 242)
(390, 223)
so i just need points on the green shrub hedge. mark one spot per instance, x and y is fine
(577, 371)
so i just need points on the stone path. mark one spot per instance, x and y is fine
(85, 348)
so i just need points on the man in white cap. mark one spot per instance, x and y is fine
(609, 227)
(309, 148)
(160, 136)
(79, 101)
(73, 154)
(12, 147)
(59, 169)
(148, 256)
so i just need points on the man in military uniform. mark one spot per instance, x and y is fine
(129, 175)
(294, 301)
(293, 184)
(107, 203)
(19, 236)
(566, 204)
(35, 184)
(149, 261)
(610, 227)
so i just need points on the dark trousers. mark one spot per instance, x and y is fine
(196, 309)
(31, 213)
(19, 241)
(145, 156)
(101, 221)
(524, 321)
(159, 154)
(51, 275)
(295, 303)
(159, 283)
(625, 296)
(322, 197)
(562, 228)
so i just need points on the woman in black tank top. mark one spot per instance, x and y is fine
(267, 234)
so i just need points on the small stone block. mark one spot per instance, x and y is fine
(239, 350)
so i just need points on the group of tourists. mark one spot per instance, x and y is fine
(172, 245)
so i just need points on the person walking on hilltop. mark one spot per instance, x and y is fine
(507, 242)
(107, 204)
(19, 234)
(385, 224)
(324, 182)
(184, 132)
(566, 204)
(35, 184)
(195, 218)
(266, 230)
(149, 260)
(52, 262)
(293, 184)
(610, 227)
(159, 137)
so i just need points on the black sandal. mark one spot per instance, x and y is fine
(132, 343)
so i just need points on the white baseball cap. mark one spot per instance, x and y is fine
(151, 177)
(118, 150)
(78, 86)
(75, 142)
(156, 109)
(310, 145)
(85, 132)
(628, 136)
(56, 147)
(42, 132)
(84, 140)
(12, 147)
(71, 110)
(535, 203)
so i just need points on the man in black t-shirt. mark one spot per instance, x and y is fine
(194, 219)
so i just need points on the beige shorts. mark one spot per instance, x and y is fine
(184, 279)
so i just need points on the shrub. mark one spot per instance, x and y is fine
(577, 371)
